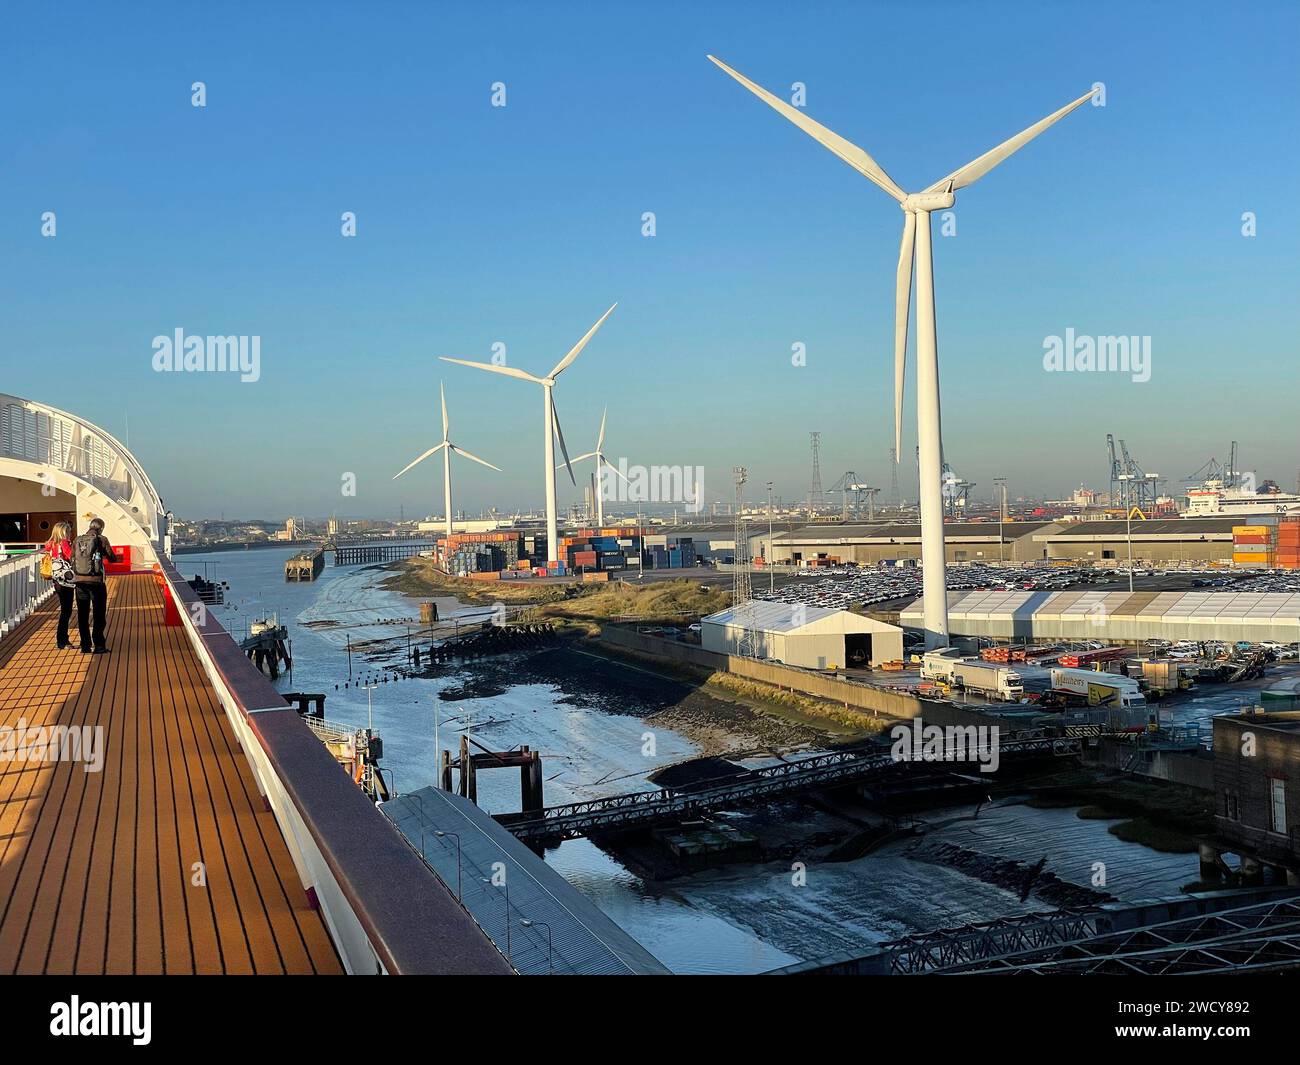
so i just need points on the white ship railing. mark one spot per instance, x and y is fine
(33, 432)
(22, 590)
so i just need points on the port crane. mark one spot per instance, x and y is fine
(955, 491)
(1226, 473)
(1130, 485)
(854, 490)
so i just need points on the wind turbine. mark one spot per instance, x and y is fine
(599, 456)
(446, 447)
(916, 247)
(550, 425)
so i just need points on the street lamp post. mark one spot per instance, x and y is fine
(440, 834)
(550, 967)
(1128, 522)
(771, 574)
(1001, 483)
(506, 885)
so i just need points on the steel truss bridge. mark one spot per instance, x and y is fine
(836, 769)
(1262, 937)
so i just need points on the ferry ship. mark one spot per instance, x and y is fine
(1215, 499)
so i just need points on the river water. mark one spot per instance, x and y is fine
(741, 919)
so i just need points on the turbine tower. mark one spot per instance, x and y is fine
(550, 426)
(916, 246)
(446, 447)
(601, 461)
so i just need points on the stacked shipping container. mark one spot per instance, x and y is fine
(1287, 552)
(1252, 545)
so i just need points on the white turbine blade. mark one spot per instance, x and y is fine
(465, 454)
(559, 435)
(846, 150)
(973, 171)
(606, 462)
(902, 310)
(509, 371)
(600, 440)
(577, 458)
(446, 425)
(577, 348)
(431, 451)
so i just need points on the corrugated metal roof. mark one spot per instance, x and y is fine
(1151, 527)
(762, 616)
(894, 530)
(1197, 605)
(582, 941)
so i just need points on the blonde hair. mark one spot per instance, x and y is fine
(61, 531)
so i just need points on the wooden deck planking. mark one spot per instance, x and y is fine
(95, 868)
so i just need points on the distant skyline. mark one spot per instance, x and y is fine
(517, 225)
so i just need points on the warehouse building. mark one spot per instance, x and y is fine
(1154, 542)
(1257, 788)
(1159, 540)
(809, 636)
(1129, 617)
(866, 545)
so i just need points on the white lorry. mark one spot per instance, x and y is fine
(940, 663)
(990, 679)
(1098, 688)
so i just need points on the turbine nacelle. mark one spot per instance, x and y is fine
(927, 201)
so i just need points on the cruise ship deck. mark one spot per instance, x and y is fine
(216, 834)
(99, 870)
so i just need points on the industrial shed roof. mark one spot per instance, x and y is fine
(1197, 605)
(1151, 527)
(761, 616)
(822, 531)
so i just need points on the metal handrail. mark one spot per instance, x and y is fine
(21, 590)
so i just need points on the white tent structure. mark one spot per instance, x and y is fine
(813, 637)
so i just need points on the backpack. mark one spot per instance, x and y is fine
(86, 558)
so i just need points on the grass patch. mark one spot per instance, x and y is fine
(420, 578)
(679, 602)
(1157, 837)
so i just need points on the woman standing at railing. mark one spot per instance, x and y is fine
(58, 550)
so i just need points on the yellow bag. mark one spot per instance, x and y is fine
(47, 567)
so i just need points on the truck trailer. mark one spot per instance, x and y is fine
(1097, 688)
(940, 663)
(988, 678)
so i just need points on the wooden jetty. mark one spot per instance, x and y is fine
(365, 554)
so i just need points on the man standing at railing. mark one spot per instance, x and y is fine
(89, 553)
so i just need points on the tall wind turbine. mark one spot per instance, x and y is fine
(916, 247)
(550, 425)
(601, 461)
(446, 447)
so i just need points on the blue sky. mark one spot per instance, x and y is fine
(521, 224)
